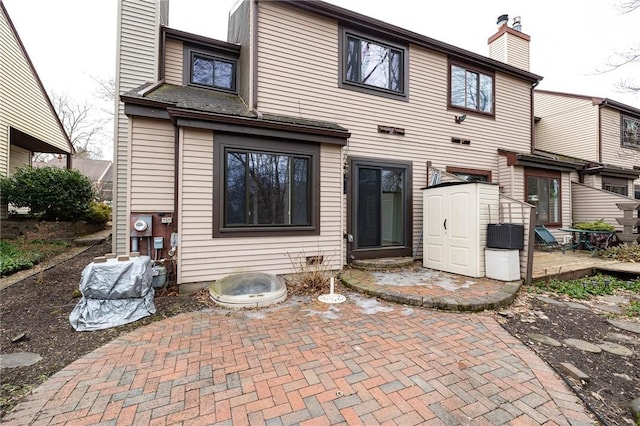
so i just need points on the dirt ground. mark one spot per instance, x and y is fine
(614, 379)
(39, 307)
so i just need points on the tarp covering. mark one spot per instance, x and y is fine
(114, 293)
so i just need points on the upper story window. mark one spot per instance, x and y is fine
(373, 66)
(212, 72)
(471, 89)
(631, 132)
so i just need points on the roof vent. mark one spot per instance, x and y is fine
(502, 19)
(517, 25)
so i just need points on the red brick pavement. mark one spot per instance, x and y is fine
(302, 362)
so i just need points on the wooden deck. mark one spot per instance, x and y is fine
(576, 264)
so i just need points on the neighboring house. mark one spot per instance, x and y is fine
(313, 130)
(28, 121)
(602, 137)
(99, 173)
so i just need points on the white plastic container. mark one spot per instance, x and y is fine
(502, 264)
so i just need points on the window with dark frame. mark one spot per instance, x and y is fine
(470, 175)
(630, 132)
(212, 72)
(543, 191)
(471, 89)
(616, 185)
(372, 64)
(265, 187)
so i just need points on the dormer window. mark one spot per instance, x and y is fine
(212, 72)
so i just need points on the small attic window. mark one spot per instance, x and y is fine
(212, 72)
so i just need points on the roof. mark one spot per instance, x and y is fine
(366, 23)
(95, 170)
(211, 105)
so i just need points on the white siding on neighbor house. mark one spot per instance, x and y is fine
(136, 63)
(24, 104)
(204, 258)
(18, 157)
(173, 62)
(298, 75)
(151, 182)
(568, 125)
(591, 204)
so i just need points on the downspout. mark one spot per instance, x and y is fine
(254, 60)
(600, 105)
(533, 134)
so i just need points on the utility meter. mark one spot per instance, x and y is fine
(140, 225)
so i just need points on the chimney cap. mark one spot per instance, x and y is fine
(502, 19)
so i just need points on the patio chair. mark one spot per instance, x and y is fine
(546, 240)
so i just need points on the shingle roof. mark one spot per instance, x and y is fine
(211, 101)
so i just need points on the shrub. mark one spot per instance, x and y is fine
(98, 213)
(50, 193)
(598, 225)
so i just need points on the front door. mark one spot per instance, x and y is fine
(380, 209)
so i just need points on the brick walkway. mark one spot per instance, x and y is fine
(303, 362)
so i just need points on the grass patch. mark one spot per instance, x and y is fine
(19, 254)
(585, 288)
(633, 310)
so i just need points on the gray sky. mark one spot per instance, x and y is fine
(71, 42)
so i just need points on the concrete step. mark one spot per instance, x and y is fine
(384, 263)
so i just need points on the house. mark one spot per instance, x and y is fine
(602, 137)
(311, 131)
(28, 121)
(99, 172)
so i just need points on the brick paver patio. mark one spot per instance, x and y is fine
(304, 362)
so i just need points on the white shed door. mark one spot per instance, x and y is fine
(450, 229)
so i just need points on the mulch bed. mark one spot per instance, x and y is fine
(614, 379)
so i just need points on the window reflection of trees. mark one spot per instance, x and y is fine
(631, 131)
(471, 89)
(212, 72)
(266, 189)
(373, 64)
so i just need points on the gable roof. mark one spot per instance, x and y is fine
(365, 23)
(95, 170)
(25, 105)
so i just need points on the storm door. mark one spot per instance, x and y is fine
(380, 212)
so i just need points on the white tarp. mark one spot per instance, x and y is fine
(114, 292)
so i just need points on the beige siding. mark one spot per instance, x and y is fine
(296, 80)
(173, 62)
(136, 63)
(510, 49)
(24, 104)
(568, 125)
(566, 199)
(152, 165)
(241, 32)
(18, 157)
(612, 150)
(590, 204)
(204, 258)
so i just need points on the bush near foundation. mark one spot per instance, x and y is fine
(50, 193)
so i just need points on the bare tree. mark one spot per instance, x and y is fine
(628, 56)
(79, 125)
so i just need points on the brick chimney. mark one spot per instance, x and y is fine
(509, 44)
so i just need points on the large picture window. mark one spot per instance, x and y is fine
(543, 191)
(265, 186)
(266, 189)
(631, 132)
(471, 89)
(374, 65)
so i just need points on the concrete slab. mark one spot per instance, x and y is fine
(19, 359)
(633, 327)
